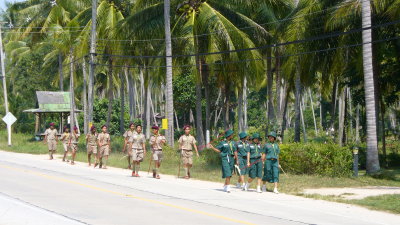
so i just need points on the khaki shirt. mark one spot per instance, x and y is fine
(65, 137)
(91, 139)
(103, 138)
(155, 142)
(51, 134)
(187, 142)
(138, 140)
(74, 138)
(129, 134)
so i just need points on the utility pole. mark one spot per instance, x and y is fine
(92, 67)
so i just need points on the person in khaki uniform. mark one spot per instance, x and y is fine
(138, 150)
(74, 138)
(128, 143)
(91, 144)
(156, 143)
(50, 136)
(186, 144)
(65, 142)
(104, 143)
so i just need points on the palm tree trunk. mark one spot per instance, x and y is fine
(245, 126)
(60, 71)
(122, 93)
(297, 104)
(205, 74)
(148, 108)
(169, 90)
(370, 104)
(342, 109)
(199, 115)
(71, 90)
(358, 124)
(240, 110)
(333, 104)
(270, 79)
(92, 67)
(84, 96)
(110, 92)
(302, 121)
(313, 112)
(284, 114)
(131, 96)
(278, 83)
(383, 112)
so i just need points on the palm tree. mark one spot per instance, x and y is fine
(169, 91)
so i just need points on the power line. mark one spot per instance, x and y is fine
(315, 38)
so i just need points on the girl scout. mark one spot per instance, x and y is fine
(254, 162)
(271, 169)
(104, 143)
(50, 136)
(186, 144)
(74, 143)
(65, 142)
(241, 158)
(156, 143)
(91, 145)
(227, 149)
(128, 143)
(138, 150)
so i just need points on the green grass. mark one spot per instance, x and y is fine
(206, 167)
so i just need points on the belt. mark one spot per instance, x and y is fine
(157, 149)
(256, 158)
(271, 159)
(187, 149)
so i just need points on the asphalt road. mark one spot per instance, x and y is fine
(34, 190)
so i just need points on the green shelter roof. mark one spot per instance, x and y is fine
(52, 102)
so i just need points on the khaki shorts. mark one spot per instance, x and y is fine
(104, 151)
(92, 149)
(66, 147)
(157, 155)
(187, 157)
(129, 151)
(137, 155)
(52, 144)
(74, 147)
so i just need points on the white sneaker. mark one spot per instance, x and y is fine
(276, 191)
(264, 188)
(224, 188)
(228, 189)
(246, 187)
(244, 184)
(238, 185)
(259, 189)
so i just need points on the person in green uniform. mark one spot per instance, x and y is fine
(128, 137)
(91, 144)
(255, 157)
(271, 167)
(227, 150)
(241, 158)
(51, 138)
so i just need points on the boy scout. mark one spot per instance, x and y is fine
(50, 136)
(91, 145)
(271, 168)
(186, 144)
(241, 158)
(74, 143)
(227, 149)
(156, 143)
(104, 143)
(138, 150)
(65, 142)
(128, 143)
(254, 162)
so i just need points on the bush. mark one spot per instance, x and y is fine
(318, 159)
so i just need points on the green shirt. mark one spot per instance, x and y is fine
(272, 150)
(226, 148)
(255, 151)
(242, 148)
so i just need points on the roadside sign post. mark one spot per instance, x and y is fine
(9, 119)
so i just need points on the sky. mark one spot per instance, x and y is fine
(3, 3)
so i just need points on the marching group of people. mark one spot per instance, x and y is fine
(246, 157)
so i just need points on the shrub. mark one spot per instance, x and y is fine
(314, 158)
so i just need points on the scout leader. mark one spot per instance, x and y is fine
(74, 137)
(104, 143)
(138, 150)
(91, 145)
(255, 162)
(241, 158)
(65, 142)
(271, 167)
(50, 136)
(128, 143)
(227, 149)
(186, 144)
(156, 142)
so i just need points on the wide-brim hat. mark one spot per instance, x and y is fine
(243, 135)
(272, 134)
(256, 136)
(228, 133)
